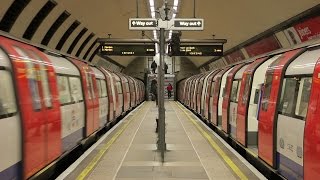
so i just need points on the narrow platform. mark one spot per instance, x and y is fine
(130, 152)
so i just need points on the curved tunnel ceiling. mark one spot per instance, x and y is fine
(74, 25)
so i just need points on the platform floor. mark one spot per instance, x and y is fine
(129, 151)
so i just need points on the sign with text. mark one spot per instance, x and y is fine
(199, 50)
(142, 24)
(187, 24)
(128, 50)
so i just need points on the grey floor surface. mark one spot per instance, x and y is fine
(134, 155)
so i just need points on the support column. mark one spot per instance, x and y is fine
(161, 110)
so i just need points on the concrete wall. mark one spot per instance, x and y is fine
(137, 68)
(185, 68)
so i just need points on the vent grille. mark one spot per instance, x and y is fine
(12, 14)
(55, 26)
(90, 48)
(85, 42)
(66, 35)
(38, 19)
(76, 40)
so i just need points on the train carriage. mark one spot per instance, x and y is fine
(207, 101)
(102, 95)
(248, 105)
(38, 120)
(228, 93)
(89, 86)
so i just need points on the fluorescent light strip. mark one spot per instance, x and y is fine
(175, 3)
(151, 2)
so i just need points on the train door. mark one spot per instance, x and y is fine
(292, 111)
(203, 93)
(38, 100)
(199, 93)
(120, 95)
(230, 89)
(311, 151)
(207, 93)
(215, 87)
(10, 123)
(102, 95)
(269, 105)
(222, 90)
(247, 119)
(234, 97)
(90, 91)
(111, 95)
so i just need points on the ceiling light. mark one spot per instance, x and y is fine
(152, 9)
(151, 2)
(175, 3)
(153, 14)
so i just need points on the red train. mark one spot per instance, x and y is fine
(269, 105)
(49, 103)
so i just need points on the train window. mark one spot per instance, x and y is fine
(288, 96)
(119, 87)
(91, 86)
(44, 81)
(88, 85)
(127, 87)
(103, 88)
(234, 91)
(31, 74)
(247, 86)
(212, 89)
(99, 87)
(303, 97)
(75, 89)
(64, 91)
(267, 91)
(7, 98)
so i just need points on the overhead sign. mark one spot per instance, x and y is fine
(187, 24)
(142, 24)
(128, 50)
(199, 50)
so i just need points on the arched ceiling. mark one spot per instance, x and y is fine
(87, 20)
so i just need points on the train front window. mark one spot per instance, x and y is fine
(75, 89)
(7, 97)
(267, 91)
(234, 91)
(288, 96)
(247, 86)
(103, 88)
(31, 74)
(44, 80)
(303, 97)
(64, 91)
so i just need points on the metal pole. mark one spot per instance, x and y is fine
(162, 131)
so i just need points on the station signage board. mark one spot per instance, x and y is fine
(142, 24)
(199, 50)
(187, 24)
(128, 49)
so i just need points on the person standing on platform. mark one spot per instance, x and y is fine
(169, 89)
(154, 90)
(154, 67)
(165, 68)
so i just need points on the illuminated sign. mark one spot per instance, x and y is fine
(199, 50)
(128, 50)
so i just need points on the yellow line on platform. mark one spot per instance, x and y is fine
(215, 146)
(95, 160)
